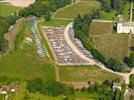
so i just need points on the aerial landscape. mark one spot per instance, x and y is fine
(66, 49)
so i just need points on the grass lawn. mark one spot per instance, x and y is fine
(84, 74)
(23, 63)
(71, 11)
(56, 22)
(107, 15)
(7, 9)
(110, 45)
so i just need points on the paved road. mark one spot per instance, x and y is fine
(92, 61)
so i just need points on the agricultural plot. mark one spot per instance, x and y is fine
(98, 28)
(111, 45)
(7, 9)
(71, 11)
(84, 74)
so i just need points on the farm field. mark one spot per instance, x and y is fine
(23, 63)
(7, 9)
(84, 74)
(111, 45)
(71, 11)
(96, 28)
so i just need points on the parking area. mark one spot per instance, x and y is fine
(63, 53)
(78, 43)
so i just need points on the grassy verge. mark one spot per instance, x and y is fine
(85, 73)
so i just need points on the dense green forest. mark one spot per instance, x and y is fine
(108, 5)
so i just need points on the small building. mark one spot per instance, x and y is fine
(4, 90)
(8, 89)
(12, 87)
(116, 85)
(123, 26)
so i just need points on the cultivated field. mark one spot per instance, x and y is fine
(98, 28)
(84, 74)
(71, 11)
(111, 45)
(7, 9)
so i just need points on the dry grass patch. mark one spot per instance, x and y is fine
(114, 45)
(100, 28)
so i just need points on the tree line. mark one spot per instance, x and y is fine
(53, 88)
(108, 5)
(81, 29)
(5, 24)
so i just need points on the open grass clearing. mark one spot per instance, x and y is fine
(84, 73)
(7, 9)
(56, 23)
(71, 11)
(23, 63)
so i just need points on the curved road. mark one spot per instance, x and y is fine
(91, 61)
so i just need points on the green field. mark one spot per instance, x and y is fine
(6, 9)
(71, 11)
(23, 63)
(57, 23)
(84, 74)
(111, 45)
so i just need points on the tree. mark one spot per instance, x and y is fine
(115, 65)
(131, 81)
(35, 85)
(48, 15)
(53, 88)
(130, 60)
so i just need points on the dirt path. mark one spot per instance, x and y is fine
(20, 3)
(11, 35)
(91, 61)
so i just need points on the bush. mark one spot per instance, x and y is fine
(131, 81)
(53, 88)
(115, 65)
(130, 60)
